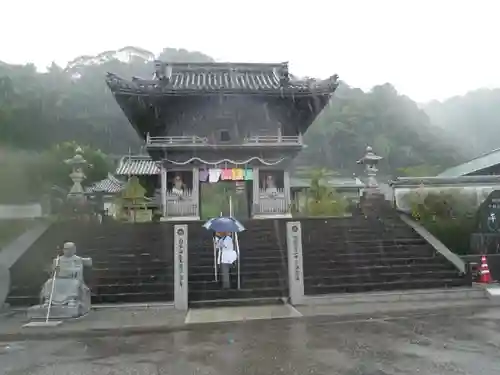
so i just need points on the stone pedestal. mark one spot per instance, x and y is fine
(59, 312)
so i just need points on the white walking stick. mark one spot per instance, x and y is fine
(236, 241)
(52, 290)
(238, 252)
(48, 323)
(215, 258)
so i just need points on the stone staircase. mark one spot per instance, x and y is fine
(262, 261)
(365, 254)
(132, 263)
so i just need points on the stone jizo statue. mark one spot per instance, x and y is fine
(70, 295)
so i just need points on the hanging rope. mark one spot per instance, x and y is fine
(215, 163)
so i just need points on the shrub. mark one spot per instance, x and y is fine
(450, 216)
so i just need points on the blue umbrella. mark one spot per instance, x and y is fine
(224, 224)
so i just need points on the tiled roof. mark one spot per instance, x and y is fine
(445, 180)
(196, 78)
(109, 185)
(335, 182)
(481, 162)
(137, 166)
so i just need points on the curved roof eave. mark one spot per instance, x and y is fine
(481, 162)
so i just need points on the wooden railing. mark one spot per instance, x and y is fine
(274, 139)
(182, 140)
(182, 205)
(258, 140)
(271, 202)
(182, 209)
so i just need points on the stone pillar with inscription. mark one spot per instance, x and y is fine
(181, 267)
(295, 262)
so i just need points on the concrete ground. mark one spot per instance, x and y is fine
(464, 341)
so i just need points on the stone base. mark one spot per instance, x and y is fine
(272, 216)
(57, 312)
(180, 218)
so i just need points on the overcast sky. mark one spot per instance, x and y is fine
(429, 49)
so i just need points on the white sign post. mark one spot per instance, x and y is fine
(295, 262)
(181, 267)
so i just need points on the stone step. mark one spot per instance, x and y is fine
(245, 274)
(381, 286)
(152, 269)
(142, 297)
(250, 256)
(367, 246)
(91, 252)
(210, 295)
(131, 262)
(234, 302)
(320, 242)
(246, 283)
(355, 256)
(429, 267)
(366, 229)
(359, 251)
(105, 279)
(205, 268)
(252, 244)
(370, 277)
(133, 288)
(164, 296)
(345, 262)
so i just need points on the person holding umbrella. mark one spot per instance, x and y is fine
(227, 255)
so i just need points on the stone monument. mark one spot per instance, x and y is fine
(370, 161)
(373, 203)
(70, 295)
(77, 162)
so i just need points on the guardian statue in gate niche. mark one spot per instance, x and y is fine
(70, 295)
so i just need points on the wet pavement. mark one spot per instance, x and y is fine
(464, 342)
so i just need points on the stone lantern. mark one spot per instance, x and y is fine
(370, 161)
(77, 162)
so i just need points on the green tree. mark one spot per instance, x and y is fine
(391, 123)
(322, 200)
(55, 171)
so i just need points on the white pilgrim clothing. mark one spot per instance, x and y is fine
(227, 254)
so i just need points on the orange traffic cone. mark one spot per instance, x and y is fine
(484, 272)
